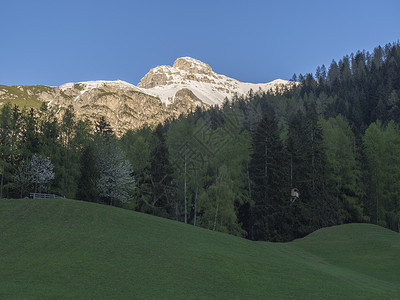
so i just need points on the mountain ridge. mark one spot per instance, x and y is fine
(212, 88)
(164, 92)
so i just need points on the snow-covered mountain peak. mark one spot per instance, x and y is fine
(79, 91)
(184, 69)
(198, 77)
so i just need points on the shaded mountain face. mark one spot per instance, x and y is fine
(164, 92)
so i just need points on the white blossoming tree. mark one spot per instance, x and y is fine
(115, 180)
(37, 173)
(42, 172)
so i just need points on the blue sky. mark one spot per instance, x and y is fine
(54, 42)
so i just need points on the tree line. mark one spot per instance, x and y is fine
(334, 137)
(40, 153)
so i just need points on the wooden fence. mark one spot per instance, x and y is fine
(41, 195)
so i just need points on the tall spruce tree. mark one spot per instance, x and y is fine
(270, 191)
(161, 177)
(5, 148)
(316, 207)
(89, 173)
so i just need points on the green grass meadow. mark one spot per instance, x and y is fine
(23, 96)
(57, 248)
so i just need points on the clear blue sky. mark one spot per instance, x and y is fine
(54, 42)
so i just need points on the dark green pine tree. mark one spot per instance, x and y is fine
(89, 174)
(138, 146)
(324, 206)
(309, 174)
(5, 148)
(299, 171)
(270, 192)
(69, 166)
(161, 178)
(30, 134)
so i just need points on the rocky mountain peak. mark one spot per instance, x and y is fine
(192, 66)
(183, 70)
(191, 74)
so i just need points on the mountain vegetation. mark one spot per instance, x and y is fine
(334, 138)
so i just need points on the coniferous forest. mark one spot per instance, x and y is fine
(265, 166)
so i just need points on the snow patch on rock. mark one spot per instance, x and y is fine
(88, 85)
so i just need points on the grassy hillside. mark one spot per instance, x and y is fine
(23, 96)
(60, 248)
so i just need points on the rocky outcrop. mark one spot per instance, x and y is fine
(193, 66)
(184, 69)
(123, 105)
(184, 102)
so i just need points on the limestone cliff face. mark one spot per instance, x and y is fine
(193, 66)
(184, 102)
(123, 105)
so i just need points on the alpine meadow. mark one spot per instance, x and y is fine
(288, 190)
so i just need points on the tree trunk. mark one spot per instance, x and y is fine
(176, 202)
(185, 192)
(248, 179)
(195, 199)
(313, 160)
(291, 170)
(266, 158)
(250, 204)
(376, 193)
(215, 218)
(216, 209)
(2, 180)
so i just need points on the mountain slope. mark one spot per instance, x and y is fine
(70, 249)
(26, 96)
(122, 104)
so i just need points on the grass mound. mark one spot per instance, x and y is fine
(57, 248)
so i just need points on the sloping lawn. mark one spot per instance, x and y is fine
(57, 248)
